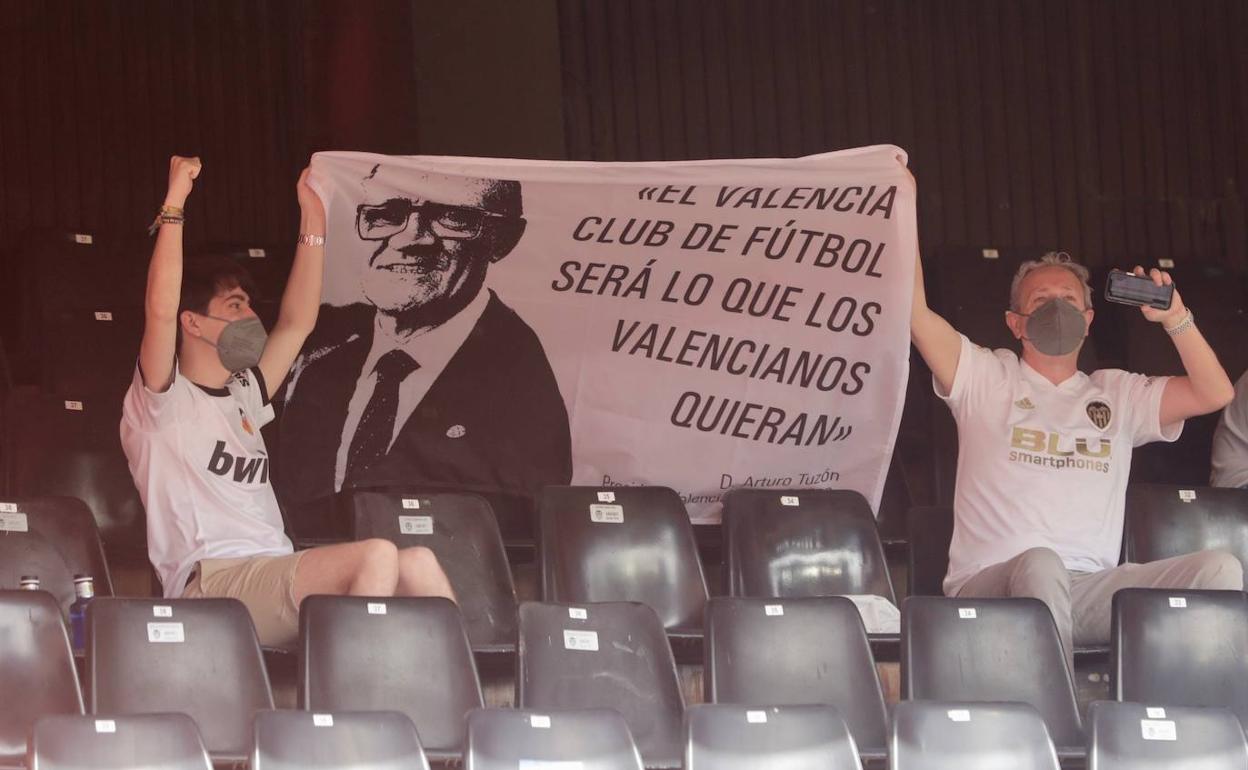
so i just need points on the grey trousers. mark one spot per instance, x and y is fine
(1081, 601)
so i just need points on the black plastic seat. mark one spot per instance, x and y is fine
(461, 530)
(719, 737)
(94, 350)
(66, 278)
(216, 674)
(803, 542)
(165, 741)
(640, 549)
(1134, 736)
(799, 652)
(390, 654)
(990, 650)
(60, 540)
(587, 739)
(930, 531)
(1165, 520)
(351, 740)
(1181, 648)
(609, 655)
(53, 446)
(37, 675)
(944, 735)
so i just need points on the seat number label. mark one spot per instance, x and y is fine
(416, 525)
(1158, 730)
(166, 633)
(606, 514)
(580, 640)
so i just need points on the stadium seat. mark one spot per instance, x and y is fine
(56, 446)
(65, 278)
(949, 735)
(165, 741)
(37, 675)
(584, 739)
(93, 350)
(1166, 520)
(930, 530)
(721, 737)
(765, 652)
(808, 542)
(989, 650)
(390, 654)
(342, 740)
(461, 530)
(195, 656)
(52, 538)
(1181, 648)
(1133, 736)
(622, 544)
(613, 655)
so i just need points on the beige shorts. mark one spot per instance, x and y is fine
(264, 584)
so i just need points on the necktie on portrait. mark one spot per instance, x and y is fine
(376, 428)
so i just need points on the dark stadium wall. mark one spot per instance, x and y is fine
(1111, 129)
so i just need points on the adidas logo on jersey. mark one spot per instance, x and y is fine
(246, 470)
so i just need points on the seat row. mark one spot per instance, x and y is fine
(924, 735)
(636, 544)
(200, 657)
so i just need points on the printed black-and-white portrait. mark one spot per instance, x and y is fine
(428, 377)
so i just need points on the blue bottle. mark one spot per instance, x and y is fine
(84, 589)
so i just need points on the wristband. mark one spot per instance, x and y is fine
(167, 215)
(308, 239)
(1181, 326)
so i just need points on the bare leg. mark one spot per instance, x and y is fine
(364, 568)
(421, 575)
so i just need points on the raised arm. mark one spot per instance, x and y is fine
(164, 280)
(302, 299)
(1206, 387)
(937, 341)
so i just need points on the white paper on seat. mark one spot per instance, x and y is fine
(879, 615)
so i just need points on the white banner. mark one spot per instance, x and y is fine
(700, 325)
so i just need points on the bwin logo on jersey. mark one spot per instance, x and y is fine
(245, 469)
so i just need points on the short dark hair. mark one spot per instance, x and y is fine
(205, 277)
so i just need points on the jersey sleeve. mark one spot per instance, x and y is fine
(146, 409)
(979, 371)
(1139, 397)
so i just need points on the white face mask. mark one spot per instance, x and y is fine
(240, 343)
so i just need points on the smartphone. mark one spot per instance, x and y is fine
(1131, 289)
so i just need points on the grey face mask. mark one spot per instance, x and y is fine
(1056, 328)
(241, 343)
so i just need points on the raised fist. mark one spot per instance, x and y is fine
(182, 174)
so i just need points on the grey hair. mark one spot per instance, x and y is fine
(1052, 259)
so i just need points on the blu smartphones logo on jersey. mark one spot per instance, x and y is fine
(1046, 449)
(244, 469)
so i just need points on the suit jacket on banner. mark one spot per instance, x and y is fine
(493, 421)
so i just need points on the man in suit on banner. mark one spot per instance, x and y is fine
(432, 380)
